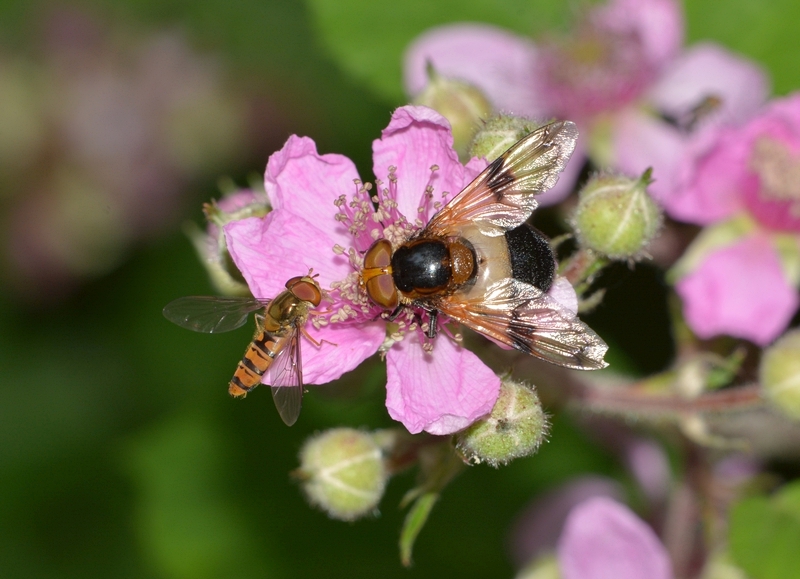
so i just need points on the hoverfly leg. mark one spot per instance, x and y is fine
(393, 316)
(433, 325)
(259, 319)
(308, 336)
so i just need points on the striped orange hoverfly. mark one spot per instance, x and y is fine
(273, 357)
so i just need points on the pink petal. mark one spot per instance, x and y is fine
(271, 250)
(538, 527)
(493, 59)
(441, 392)
(416, 139)
(711, 177)
(344, 347)
(305, 183)
(649, 465)
(563, 292)
(641, 141)
(603, 539)
(708, 70)
(740, 290)
(657, 23)
(774, 140)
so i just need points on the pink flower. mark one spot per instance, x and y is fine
(538, 526)
(603, 539)
(745, 283)
(323, 218)
(621, 75)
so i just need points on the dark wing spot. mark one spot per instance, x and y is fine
(497, 178)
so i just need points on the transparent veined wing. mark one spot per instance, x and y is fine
(523, 317)
(503, 196)
(211, 314)
(285, 377)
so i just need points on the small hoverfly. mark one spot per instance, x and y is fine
(275, 349)
(479, 263)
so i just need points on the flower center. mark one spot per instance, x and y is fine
(593, 70)
(776, 200)
(371, 214)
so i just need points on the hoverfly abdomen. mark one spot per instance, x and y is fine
(256, 360)
(532, 258)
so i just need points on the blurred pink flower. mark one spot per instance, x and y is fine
(620, 74)
(323, 218)
(119, 125)
(745, 285)
(537, 528)
(604, 539)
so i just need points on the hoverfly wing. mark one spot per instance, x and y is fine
(285, 377)
(503, 196)
(211, 314)
(523, 317)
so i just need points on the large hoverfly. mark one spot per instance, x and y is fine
(479, 263)
(274, 354)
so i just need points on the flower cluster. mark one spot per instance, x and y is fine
(696, 116)
(740, 276)
(672, 134)
(621, 74)
(100, 137)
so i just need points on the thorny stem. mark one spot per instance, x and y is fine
(635, 400)
(406, 454)
(690, 500)
(581, 267)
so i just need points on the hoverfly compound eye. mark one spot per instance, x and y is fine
(306, 289)
(293, 281)
(377, 275)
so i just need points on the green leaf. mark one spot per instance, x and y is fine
(764, 31)
(765, 533)
(367, 39)
(415, 520)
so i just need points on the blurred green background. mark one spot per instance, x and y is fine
(121, 454)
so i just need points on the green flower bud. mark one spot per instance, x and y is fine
(461, 103)
(342, 472)
(515, 427)
(545, 567)
(779, 374)
(211, 245)
(616, 217)
(498, 133)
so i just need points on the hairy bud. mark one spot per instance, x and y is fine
(211, 245)
(498, 133)
(515, 427)
(779, 374)
(342, 472)
(616, 217)
(461, 103)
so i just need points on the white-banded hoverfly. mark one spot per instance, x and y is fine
(274, 354)
(479, 263)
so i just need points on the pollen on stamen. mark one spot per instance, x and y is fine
(338, 249)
